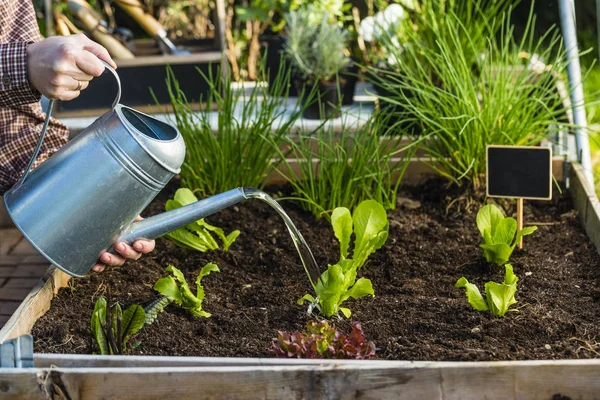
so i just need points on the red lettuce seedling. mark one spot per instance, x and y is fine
(321, 340)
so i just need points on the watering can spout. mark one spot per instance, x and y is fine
(158, 225)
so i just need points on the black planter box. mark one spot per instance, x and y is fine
(148, 71)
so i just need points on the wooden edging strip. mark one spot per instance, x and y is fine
(586, 204)
(574, 379)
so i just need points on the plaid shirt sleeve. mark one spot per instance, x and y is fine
(14, 84)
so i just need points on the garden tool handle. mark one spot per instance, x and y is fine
(47, 122)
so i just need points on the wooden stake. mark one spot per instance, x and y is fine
(520, 220)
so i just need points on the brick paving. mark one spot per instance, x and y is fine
(21, 267)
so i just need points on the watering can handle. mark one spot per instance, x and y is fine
(47, 121)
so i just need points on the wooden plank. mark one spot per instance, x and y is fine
(30, 270)
(35, 304)
(575, 379)
(9, 307)
(12, 293)
(5, 221)
(8, 240)
(586, 203)
(20, 282)
(7, 270)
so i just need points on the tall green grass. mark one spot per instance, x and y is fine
(241, 150)
(341, 169)
(466, 106)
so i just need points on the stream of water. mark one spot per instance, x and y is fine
(306, 256)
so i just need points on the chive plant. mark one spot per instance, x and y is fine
(341, 169)
(467, 104)
(240, 151)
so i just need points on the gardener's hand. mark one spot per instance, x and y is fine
(126, 252)
(60, 67)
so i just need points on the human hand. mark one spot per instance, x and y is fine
(125, 251)
(61, 67)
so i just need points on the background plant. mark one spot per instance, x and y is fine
(351, 167)
(199, 234)
(112, 328)
(240, 152)
(370, 226)
(315, 47)
(179, 292)
(322, 340)
(498, 296)
(501, 102)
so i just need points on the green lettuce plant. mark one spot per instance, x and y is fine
(178, 291)
(498, 296)
(321, 340)
(499, 234)
(198, 234)
(370, 226)
(112, 328)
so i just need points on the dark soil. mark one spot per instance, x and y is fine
(416, 313)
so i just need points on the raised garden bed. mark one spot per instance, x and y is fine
(416, 314)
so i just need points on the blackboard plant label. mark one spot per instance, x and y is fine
(499, 234)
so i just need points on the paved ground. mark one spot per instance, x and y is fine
(20, 267)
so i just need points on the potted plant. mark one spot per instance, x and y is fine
(316, 50)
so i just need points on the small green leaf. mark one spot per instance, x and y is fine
(363, 287)
(97, 322)
(133, 320)
(346, 311)
(497, 253)
(229, 239)
(528, 230)
(488, 218)
(505, 231)
(206, 270)
(168, 287)
(474, 297)
(185, 196)
(341, 220)
(306, 297)
(370, 220)
(329, 297)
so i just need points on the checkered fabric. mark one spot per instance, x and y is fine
(21, 117)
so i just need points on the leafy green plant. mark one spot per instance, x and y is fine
(339, 283)
(156, 307)
(179, 292)
(198, 234)
(315, 49)
(352, 166)
(112, 328)
(321, 340)
(499, 234)
(469, 91)
(498, 296)
(235, 150)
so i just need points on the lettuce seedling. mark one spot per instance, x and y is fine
(321, 340)
(178, 291)
(338, 283)
(113, 331)
(498, 296)
(498, 234)
(198, 234)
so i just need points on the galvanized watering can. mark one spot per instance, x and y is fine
(84, 198)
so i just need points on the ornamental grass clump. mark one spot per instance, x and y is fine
(469, 93)
(235, 147)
